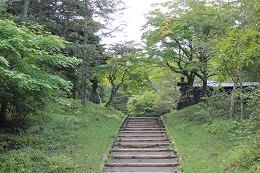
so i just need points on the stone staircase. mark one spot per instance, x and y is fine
(142, 146)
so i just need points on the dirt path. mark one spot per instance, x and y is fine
(142, 146)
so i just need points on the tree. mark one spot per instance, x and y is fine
(182, 38)
(76, 21)
(165, 86)
(240, 47)
(125, 70)
(26, 80)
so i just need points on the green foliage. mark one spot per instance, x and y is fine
(222, 126)
(63, 138)
(239, 46)
(248, 154)
(217, 103)
(253, 95)
(165, 85)
(144, 105)
(76, 22)
(238, 49)
(219, 144)
(197, 114)
(121, 100)
(180, 36)
(125, 70)
(27, 58)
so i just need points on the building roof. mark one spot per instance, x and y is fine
(227, 84)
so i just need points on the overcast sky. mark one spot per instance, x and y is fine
(135, 19)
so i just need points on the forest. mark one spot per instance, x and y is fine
(60, 86)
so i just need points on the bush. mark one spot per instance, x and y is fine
(222, 126)
(213, 143)
(144, 105)
(217, 104)
(252, 106)
(247, 155)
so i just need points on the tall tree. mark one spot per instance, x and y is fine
(181, 37)
(125, 69)
(76, 21)
(240, 47)
(26, 59)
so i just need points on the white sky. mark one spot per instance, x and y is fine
(134, 18)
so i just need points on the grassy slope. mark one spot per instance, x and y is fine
(64, 139)
(205, 144)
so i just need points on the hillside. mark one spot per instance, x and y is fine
(61, 138)
(210, 143)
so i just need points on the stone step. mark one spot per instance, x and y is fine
(143, 132)
(141, 169)
(142, 164)
(141, 135)
(141, 150)
(142, 121)
(141, 129)
(144, 156)
(142, 153)
(143, 161)
(142, 144)
(141, 126)
(143, 138)
(142, 172)
(135, 140)
(142, 118)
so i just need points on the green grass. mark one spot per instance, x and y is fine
(211, 144)
(62, 138)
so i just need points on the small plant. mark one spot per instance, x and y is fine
(60, 163)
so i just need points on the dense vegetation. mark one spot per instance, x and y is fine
(62, 138)
(51, 51)
(209, 142)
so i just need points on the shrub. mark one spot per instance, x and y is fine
(220, 126)
(144, 105)
(217, 104)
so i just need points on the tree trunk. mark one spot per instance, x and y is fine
(84, 80)
(234, 94)
(25, 9)
(112, 95)
(241, 94)
(204, 87)
(74, 92)
(94, 97)
(190, 79)
(3, 112)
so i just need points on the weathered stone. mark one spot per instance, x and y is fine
(142, 146)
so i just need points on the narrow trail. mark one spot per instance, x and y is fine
(142, 146)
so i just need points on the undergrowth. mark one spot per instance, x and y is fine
(209, 143)
(62, 138)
